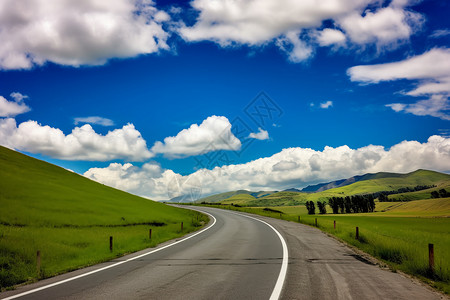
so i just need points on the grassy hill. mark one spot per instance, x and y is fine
(69, 218)
(378, 182)
(239, 199)
(227, 195)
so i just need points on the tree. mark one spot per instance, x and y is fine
(310, 207)
(443, 193)
(334, 204)
(322, 207)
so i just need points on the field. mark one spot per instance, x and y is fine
(69, 219)
(399, 236)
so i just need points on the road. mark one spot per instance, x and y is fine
(236, 257)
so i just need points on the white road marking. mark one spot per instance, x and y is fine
(276, 293)
(113, 265)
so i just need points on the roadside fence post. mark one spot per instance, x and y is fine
(150, 233)
(431, 258)
(357, 233)
(38, 263)
(111, 243)
(334, 224)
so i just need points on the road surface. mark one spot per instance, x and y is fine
(236, 257)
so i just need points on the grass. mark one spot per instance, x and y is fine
(69, 219)
(399, 236)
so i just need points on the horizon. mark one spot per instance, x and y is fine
(167, 99)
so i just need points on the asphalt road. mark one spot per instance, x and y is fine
(236, 258)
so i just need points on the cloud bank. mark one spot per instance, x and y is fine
(82, 144)
(78, 33)
(291, 167)
(298, 26)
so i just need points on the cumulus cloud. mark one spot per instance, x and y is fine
(326, 104)
(291, 167)
(290, 23)
(432, 72)
(213, 134)
(384, 27)
(94, 120)
(78, 32)
(15, 107)
(260, 135)
(82, 144)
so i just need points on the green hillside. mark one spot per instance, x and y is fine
(379, 182)
(69, 218)
(225, 196)
(239, 199)
(222, 196)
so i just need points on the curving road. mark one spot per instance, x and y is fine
(236, 257)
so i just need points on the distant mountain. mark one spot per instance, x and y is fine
(293, 190)
(343, 182)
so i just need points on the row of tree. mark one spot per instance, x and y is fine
(352, 204)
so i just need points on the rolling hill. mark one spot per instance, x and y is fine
(69, 218)
(369, 183)
(343, 182)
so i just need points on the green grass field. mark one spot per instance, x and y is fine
(69, 219)
(399, 235)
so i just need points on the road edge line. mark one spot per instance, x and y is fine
(110, 266)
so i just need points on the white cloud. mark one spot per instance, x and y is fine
(291, 167)
(94, 120)
(384, 27)
(440, 33)
(296, 49)
(328, 37)
(290, 23)
(213, 134)
(326, 104)
(82, 144)
(18, 97)
(431, 65)
(78, 32)
(260, 135)
(15, 107)
(432, 71)
(436, 106)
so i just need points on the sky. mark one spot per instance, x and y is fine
(190, 98)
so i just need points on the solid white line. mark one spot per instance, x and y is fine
(113, 265)
(276, 293)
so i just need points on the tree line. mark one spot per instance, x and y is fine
(383, 195)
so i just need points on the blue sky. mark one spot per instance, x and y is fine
(357, 88)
